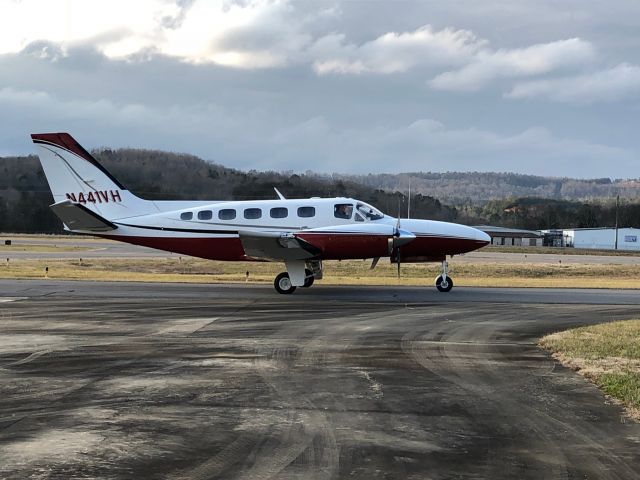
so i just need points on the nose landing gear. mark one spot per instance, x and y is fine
(443, 281)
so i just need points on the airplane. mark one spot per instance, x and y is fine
(302, 233)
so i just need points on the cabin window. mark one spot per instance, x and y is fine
(306, 212)
(205, 215)
(227, 214)
(279, 212)
(252, 213)
(186, 215)
(343, 210)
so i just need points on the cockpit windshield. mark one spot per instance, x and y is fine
(368, 212)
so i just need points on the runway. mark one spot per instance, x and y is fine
(133, 380)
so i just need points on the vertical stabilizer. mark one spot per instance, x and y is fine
(73, 174)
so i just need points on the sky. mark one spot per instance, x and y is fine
(546, 87)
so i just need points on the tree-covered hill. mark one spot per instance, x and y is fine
(458, 188)
(25, 196)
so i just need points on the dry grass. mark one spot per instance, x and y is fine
(607, 354)
(26, 237)
(491, 248)
(35, 248)
(352, 272)
(561, 251)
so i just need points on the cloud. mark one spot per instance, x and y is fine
(609, 85)
(261, 34)
(76, 22)
(297, 85)
(251, 34)
(428, 145)
(219, 132)
(488, 65)
(394, 52)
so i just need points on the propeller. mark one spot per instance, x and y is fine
(394, 241)
(398, 239)
(396, 234)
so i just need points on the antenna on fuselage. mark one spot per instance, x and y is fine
(280, 196)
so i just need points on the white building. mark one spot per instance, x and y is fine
(603, 238)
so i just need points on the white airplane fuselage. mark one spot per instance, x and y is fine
(299, 232)
(338, 238)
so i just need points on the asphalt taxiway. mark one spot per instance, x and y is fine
(133, 380)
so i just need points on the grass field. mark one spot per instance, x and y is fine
(607, 354)
(352, 272)
(37, 248)
(62, 239)
(562, 251)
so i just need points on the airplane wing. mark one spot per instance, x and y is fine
(276, 246)
(78, 217)
(324, 242)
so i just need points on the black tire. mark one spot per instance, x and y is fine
(442, 286)
(282, 283)
(309, 278)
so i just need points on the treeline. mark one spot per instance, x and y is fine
(25, 195)
(457, 188)
(156, 175)
(541, 214)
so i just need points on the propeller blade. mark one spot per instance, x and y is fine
(374, 263)
(398, 261)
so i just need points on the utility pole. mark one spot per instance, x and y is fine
(409, 202)
(617, 207)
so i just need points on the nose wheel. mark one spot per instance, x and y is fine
(443, 281)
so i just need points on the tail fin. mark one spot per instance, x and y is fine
(73, 174)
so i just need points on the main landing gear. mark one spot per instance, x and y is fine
(298, 274)
(283, 284)
(443, 281)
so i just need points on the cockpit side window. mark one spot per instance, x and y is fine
(343, 210)
(368, 212)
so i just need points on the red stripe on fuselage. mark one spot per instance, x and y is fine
(333, 246)
(212, 248)
(336, 246)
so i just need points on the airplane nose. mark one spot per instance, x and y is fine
(482, 236)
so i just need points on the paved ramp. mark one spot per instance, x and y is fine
(115, 380)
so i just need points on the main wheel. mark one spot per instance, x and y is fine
(444, 285)
(309, 278)
(283, 284)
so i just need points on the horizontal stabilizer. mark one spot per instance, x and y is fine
(78, 217)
